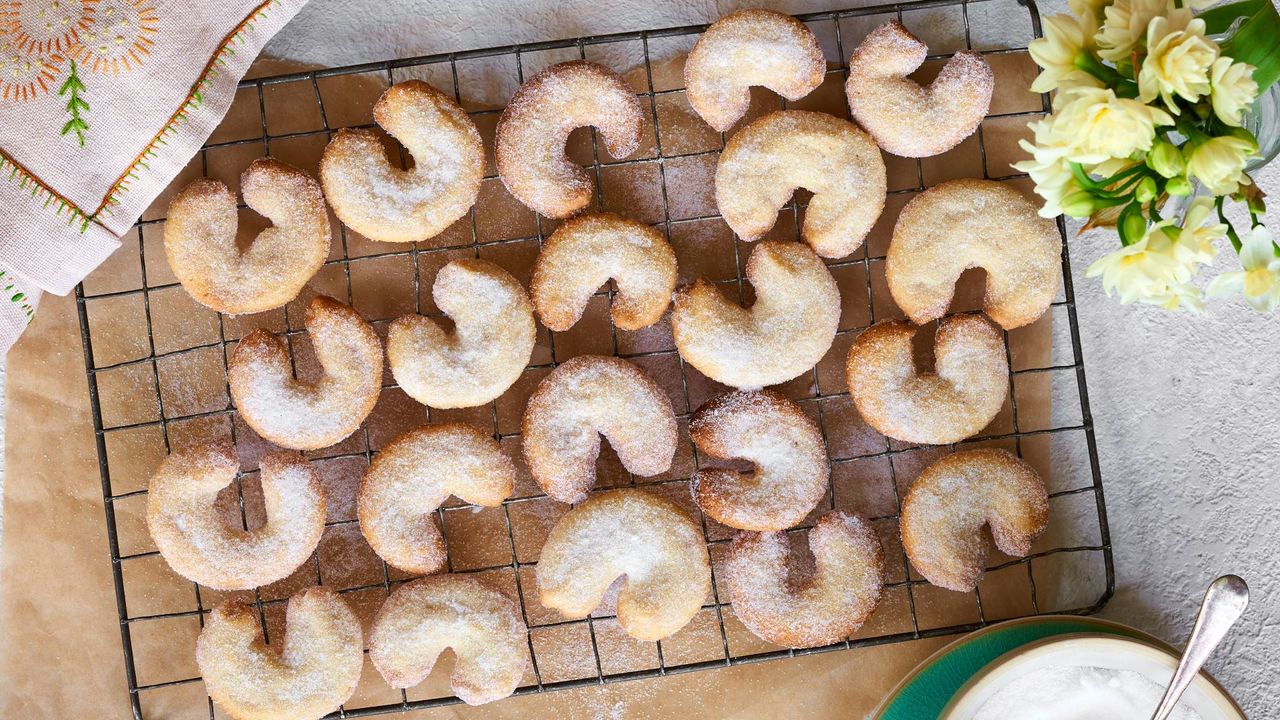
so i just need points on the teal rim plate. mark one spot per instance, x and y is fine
(924, 692)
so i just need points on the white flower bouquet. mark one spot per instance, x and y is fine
(1148, 107)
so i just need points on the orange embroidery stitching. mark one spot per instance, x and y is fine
(120, 35)
(48, 26)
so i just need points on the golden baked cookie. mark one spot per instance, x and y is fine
(952, 499)
(482, 627)
(309, 415)
(959, 398)
(582, 399)
(194, 538)
(746, 48)
(904, 118)
(963, 224)
(200, 239)
(784, 334)
(764, 163)
(585, 253)
(410, 479)
(785, 446)
(536, 124)
(827, 608)
(308, 674)
(486, 351)
(377, 199)
(632, 533)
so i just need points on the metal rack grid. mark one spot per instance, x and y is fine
(909, 585)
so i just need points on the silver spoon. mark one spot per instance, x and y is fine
(1224, 603)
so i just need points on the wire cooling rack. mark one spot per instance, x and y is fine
(156, 368)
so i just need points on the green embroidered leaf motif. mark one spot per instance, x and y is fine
(72, 87)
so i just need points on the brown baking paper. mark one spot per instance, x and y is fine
(61, 638)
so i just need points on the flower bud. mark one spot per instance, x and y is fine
(1133, 225)
(1078, 204)
(1256, 204)
(1165, 159)
(1178, 186)
(1146, 190)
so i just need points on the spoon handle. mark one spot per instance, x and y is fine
(1224, 602)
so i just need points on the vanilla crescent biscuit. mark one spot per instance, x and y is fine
(764, 163)
(634, 534)
(961, 397)
(582, 399)
(536, 124)
(786, 447)
(422, 619)
(785, 333)
(200, 239)
(963, 224)
(833, 604)
(904, 118)
(492, 338)
(585, 252)
(746, 48)
(383, 202)
(309, 415)
(318, 669)
(413, 475)
(946, 507)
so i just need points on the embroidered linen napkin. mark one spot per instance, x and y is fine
(102, 103)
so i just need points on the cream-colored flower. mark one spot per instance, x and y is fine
(1065, 37)
(1179, 296)
(1218, 163)
(1155, 270)
(1178, 59)
(1094, 125)
(1259, 280)
(1200, 229)
(1125, 25)
(1232, 89)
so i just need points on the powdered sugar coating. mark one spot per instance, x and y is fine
(963, 395)
(318, 669)
(582, 399)
(947, 505)
(193, 537)
(785, 333)
(422, 619)
(309, 415)
(388, 204)
(536, 124)
(585, 252)
(746, 48)
(649, 540)
(831, 605)
(490, 345)
(904, 118)
(963, 224)
(413, 475)
(786, 447)
(200, 239)
(764, 163)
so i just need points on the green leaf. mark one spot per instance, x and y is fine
(1255, 41)
(1218, 19)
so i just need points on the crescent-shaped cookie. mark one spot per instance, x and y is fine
(785, 446)
(316, 671)
(534, 127)
(413, 475)
(582, 399)
(746, 48)
(904, 118)
(422, 619)
(585, 253)
(200, 239)
(649, 540)
(947, 505)
(764, 163)
(383, 202)
(963, 394)
(963, 224)
(487, 350)
(785, 333)
(842, 593)
(309, 415)
(193, 537)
